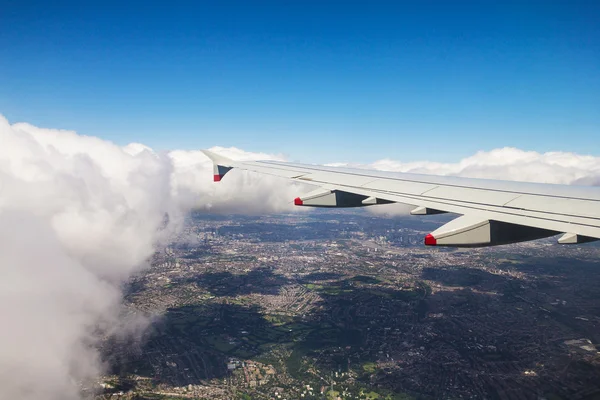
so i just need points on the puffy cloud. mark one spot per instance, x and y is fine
(79, 215)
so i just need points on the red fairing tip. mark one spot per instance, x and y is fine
(217, 178)
(430, 240)
(297, 201)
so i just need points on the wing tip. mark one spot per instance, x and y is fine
(221, 164)
(217, 158)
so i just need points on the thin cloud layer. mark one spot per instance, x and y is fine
(79, 215)
(508, 163)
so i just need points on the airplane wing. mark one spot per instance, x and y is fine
(492, 212)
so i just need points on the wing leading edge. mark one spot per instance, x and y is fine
(492, 212)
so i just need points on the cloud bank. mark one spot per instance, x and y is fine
(506, 163)
(79, 215)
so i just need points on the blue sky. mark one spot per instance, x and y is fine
(318, 81)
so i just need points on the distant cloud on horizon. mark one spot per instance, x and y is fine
(506, 163)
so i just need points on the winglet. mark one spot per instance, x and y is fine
(221, 164)
(218, 159)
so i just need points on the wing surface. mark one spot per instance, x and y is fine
(493, 212)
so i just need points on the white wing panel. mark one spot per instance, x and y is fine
(401, 187)
(282, 172)
(337, 179)
(470, 195)
(556, 205)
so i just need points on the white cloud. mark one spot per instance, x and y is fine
(79, 215)
(505, 163)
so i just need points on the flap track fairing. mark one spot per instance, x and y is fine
(336, 198)
(469, 231)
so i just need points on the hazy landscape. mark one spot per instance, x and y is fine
(351, 305)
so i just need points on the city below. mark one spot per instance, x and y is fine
(351, 305)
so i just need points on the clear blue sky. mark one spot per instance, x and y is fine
(319, 81)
